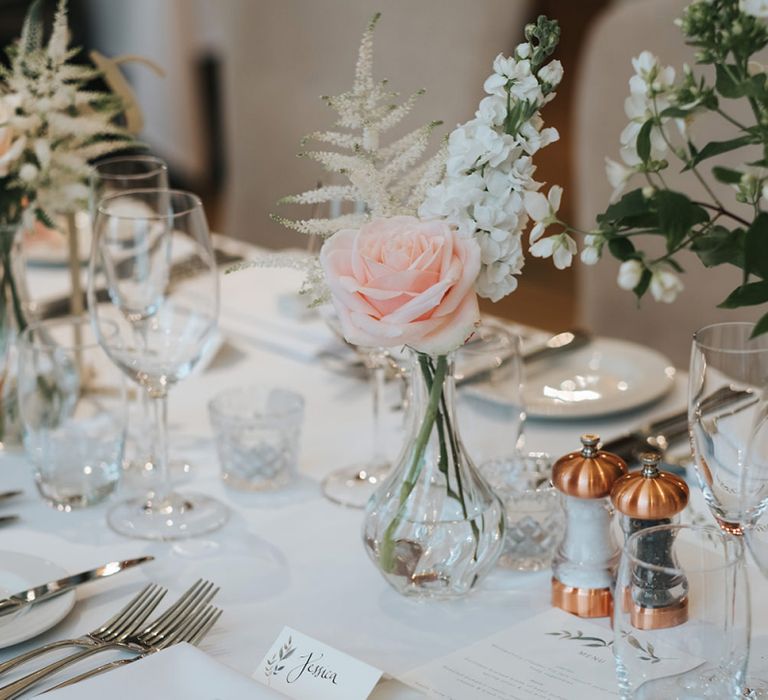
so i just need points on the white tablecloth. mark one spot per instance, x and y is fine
(290, 558)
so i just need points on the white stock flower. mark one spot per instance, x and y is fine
(630, 272)
(552, 73)
(593, 247)
(756, 8)
(492, 110)
(618, 176)
(665, 285)
(523, 50)
(561, 247)
(489, 172)
(542, 210)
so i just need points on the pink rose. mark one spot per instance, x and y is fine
(404, 281)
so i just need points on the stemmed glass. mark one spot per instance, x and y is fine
(730, 442)
(137, 236)
(352, 486)
(113, 176)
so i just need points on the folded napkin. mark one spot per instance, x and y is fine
(181, 671)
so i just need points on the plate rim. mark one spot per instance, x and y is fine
(66, 601)
(565, 411)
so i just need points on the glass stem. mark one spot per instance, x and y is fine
(148, 443)
(162, 486)
(378, 381)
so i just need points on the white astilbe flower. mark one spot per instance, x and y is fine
(50, 127)
(384, 179)
(489, 169)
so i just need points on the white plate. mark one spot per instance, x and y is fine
(606, 376)
(17, 573)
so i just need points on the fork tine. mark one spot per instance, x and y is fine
(126, 610)
(185, 628)
(200, 594)
(203, 630)
(137, 617)
(173, 627)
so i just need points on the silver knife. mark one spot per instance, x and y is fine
(555, 345)
(660, 434)
(50, 590)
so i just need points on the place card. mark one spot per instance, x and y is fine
(551, 655)
(305, 669)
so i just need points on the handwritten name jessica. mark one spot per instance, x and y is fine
(311, 666)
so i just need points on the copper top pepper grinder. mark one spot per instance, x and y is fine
(644, 499)
(585, 562)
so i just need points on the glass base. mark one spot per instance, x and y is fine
(179, 516)
(353, 486)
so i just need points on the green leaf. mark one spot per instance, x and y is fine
(643, 284)
(631, 204)
(677, 215)
(644, 141)
(726, 175)
(725, 83)
(760, 327)
(715, 148)
(747, 295)
(756, 246)
(675, 113)
(719, 246)
(621, 248)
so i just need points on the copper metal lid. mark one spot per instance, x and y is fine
(650, 494)
(589, 473)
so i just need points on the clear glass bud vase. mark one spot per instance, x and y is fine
(434, 528)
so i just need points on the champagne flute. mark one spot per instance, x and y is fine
(108, 177)
(137, 236)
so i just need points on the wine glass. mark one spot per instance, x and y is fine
(138, 234)
(681, 619)
(729, 435)
(726, 360)
(353, 485)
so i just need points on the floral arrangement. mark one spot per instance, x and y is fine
(51, 126)
(407, 267)
(662, 112)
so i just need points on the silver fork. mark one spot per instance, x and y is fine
(126, 621)
(193, 633)
(173, 619)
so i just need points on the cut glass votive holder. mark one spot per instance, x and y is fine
(534, 515)
(257, 431)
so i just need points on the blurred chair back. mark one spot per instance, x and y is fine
(282, 56)
(620, 33)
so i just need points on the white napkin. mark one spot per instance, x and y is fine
(252, 312)
(181, 671)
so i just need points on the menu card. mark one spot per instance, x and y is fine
(553, 655)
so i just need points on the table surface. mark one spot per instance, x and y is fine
(288, 558)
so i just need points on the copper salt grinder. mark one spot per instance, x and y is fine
(585, 562)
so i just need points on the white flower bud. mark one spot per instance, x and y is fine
(630, 273)
(665, 285)
(27, 172)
